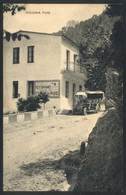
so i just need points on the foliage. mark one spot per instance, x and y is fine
(13, 8)
(71, 23)
(106, 139)
(117, 58)
(93, 37)
(32, 103)
(21, 104)
(116, 10)
(43, 96)
(29, 104)
(14, 36)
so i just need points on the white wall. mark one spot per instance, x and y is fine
(72, 77)
(49, 61)
(45, 67)
(66, 45)
(67, 103)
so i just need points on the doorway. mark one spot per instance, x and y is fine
(74, 91)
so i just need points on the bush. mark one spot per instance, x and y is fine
(43, 98)
(32, 103)
(21, 104)
(29, 104)
(114, 89)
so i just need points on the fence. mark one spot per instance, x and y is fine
(27, 116)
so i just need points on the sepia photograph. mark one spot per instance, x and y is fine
(63, 97)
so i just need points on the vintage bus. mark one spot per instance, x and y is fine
(88, 101)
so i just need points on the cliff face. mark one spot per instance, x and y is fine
(102, 165)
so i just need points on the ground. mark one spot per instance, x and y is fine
(32, 151)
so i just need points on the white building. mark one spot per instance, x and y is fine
(38, 61)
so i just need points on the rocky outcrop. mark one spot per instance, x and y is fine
(102, 166)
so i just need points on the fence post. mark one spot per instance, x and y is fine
(40, 114)
(27, 116)
(12, 118)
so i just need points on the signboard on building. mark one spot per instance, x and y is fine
(52, 87)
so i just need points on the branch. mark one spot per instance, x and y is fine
(13, 8)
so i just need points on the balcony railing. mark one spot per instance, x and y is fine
(74, 67)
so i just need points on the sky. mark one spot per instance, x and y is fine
(49, 18)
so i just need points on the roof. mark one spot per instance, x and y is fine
(81, 93)
(94, 92)
(51, 34)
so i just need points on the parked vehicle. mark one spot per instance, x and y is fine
(88, 101)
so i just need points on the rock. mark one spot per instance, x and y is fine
(82, 148)
(102, 165)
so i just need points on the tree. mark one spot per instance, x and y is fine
(43, 97)
(29, 104)
(32, 103)
(117, 49)
(93, 38)
(7, 35)
(71, 23)
(13, 8)
(118, 43)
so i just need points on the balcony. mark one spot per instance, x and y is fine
(74, 69)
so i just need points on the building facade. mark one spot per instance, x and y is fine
(36, 62)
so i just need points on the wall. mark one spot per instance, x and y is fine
(49, 62)
(45, 66)
(67, 103)
(67, 45)
(72, 77)
(53, 102)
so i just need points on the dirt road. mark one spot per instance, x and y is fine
(32, 150)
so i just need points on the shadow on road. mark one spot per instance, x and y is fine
(69, 163)
(40, 166)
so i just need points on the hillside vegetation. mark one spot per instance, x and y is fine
(93, 38)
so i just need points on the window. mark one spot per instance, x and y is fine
(67, 89)
(74, 88)
(16, 55)
(30, 54)
(80, 87)
(74, 91)
(30, 88)
(67, 59)
(75, 61)
(15, 89)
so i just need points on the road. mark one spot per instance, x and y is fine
(32, 149)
